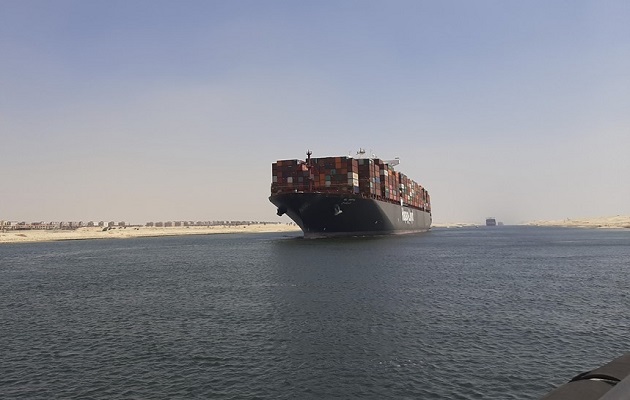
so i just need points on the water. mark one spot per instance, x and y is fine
(485, 313)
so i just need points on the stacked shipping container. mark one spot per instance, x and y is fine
(412, 193)
(390, 181)
(330, 174)
(365, 176)
(289, 176)
(335, 174)
(369, 180)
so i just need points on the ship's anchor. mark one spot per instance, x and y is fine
(337, 210)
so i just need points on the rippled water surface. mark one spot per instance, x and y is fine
(503, 313)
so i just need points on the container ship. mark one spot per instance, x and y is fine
(346, 196)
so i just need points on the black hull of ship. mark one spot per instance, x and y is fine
(326, 215)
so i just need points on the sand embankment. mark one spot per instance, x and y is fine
(453, 225)
(19, 236)
(617, 222)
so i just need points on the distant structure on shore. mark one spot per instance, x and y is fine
(178, 224)
(6, 225)
(491, 221)
(46, 226)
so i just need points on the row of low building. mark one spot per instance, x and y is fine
(41, 225)
(169, 224)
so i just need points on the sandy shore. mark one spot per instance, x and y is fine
(132, 232)
(618, 221)
(453, 225)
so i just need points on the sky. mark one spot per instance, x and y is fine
(147, 110)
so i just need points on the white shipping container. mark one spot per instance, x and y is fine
(274, 179)
(290, 179)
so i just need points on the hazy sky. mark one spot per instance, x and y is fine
(157, 110)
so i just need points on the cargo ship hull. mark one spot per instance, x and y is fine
(334, 214)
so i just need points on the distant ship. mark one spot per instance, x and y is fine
(491, 221)
(345, 196)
